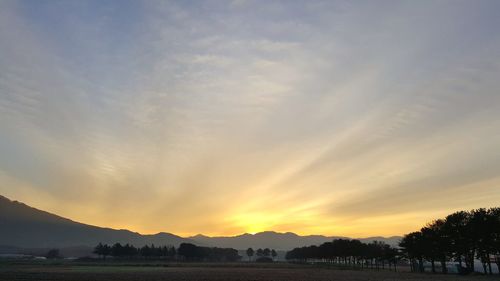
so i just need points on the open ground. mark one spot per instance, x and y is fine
(208, 272)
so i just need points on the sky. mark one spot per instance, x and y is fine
(354, 118)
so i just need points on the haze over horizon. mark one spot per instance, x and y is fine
(338, 118)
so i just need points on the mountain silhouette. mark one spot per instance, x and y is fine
(277, 240)
(25, 227)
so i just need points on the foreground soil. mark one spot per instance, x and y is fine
(207, 273)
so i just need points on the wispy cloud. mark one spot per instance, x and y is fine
(222, 117)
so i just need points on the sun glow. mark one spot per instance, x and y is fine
(255, 222)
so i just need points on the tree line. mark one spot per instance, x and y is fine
(185, 252)
(348, 252)
(191, 252)
(129, 251)
(461, 237)
(263, 255)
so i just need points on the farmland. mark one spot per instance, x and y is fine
(208, 272)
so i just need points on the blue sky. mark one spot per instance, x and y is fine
(333, 117)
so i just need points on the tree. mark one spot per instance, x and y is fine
(347, 252)
(260, 252)
(266, 252)
(167, 252)
(129, 251)
(102, 250)
(441, 243)
(436, 244)
(53, 254)
(411, 245)
(98, 250)
(461, 237)
(106, 251)
(189, 251)
(274, 254)
(429, 244)
(494, 214)
(193, 252)
(390, 254)
(484, 233)
(146, 251)
(117, 250)
(172, 252)
(456, 226)
(250, 253)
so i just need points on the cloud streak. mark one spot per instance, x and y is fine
(225, 117)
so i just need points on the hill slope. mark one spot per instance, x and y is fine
(24, 226)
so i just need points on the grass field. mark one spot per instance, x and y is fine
(208, 272)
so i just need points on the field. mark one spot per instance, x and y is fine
(207, 272)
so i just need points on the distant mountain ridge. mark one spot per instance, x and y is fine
(277, 240)
(25, 227)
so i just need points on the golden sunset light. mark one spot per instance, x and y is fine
(167, 131)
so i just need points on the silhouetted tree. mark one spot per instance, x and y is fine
(250, 253)
(259, 252)
(483, 222)
(348, 252)
(102, 250)
(53, 254)
(196, 253)
(266, 252)
(117, 250)
(456, 228)
(172, 252)
(461, 237)
(411, 246)
(130, 252)
(146, 251)
(274, 254)
(494, 214)
(98, 249)
(189, 251)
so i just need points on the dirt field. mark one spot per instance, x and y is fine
(207, 273)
